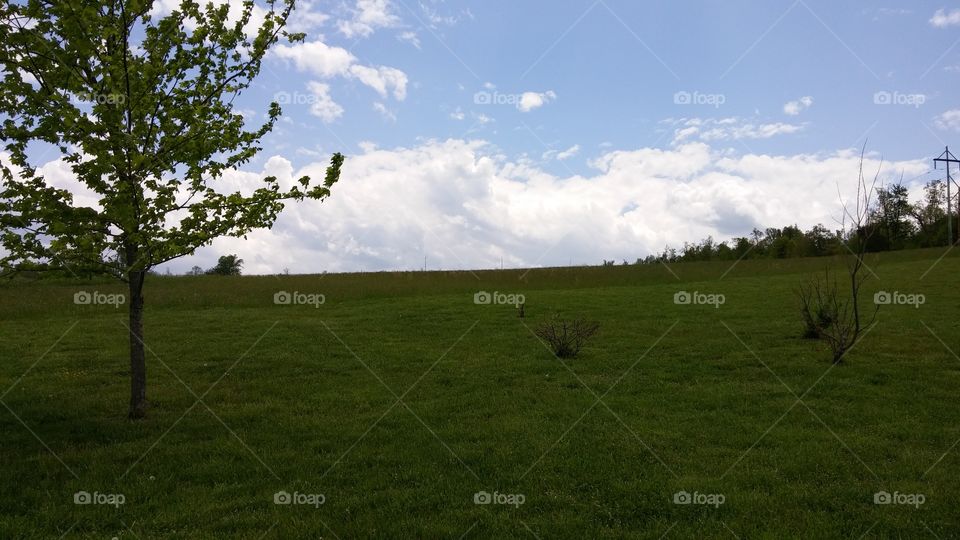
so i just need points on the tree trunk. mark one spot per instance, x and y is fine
(138, 360)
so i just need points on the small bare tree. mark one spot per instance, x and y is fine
(857, 232)
(566, 337)
(827, 313)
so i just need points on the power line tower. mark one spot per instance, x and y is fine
(947, 158)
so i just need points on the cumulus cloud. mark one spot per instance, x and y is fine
(367, 17)
(949, 121)
(410, 37)
(727, 129)
(794, 108)
(326, 61)
(322, 105)
(564, 154)
(382, 79)
(465, 206)
(303, 19)
(534, 100)
(385, 112)
(317, 57)
(942, 18)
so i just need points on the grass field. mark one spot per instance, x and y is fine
(398, 400)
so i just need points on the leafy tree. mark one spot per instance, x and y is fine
(892, 216)
(931, 214)
(141, 109)
(227, 265)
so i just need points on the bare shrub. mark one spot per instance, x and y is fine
(830, 315)
(565, 336)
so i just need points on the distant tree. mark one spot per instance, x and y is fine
(142, 110)
(196, 271)
(227, 265)
(930, 215)
(821, 241)
(892, 216)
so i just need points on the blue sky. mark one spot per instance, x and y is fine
(551, 133)
(616, 66)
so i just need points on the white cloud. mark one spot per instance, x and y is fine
(382, 79)
(727, 129)
(534, 100)
(465, 206)
(386, 113)
(410, 37)
(569, 153)
(879, 13)
(458, 114)
(302, 19)
(367, 17)
(322, 105)
(317, 57)
(328, 62)
(949, 121)
(943, 19)
(436, 20)
(794, 108)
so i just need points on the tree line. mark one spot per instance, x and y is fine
(894, 223)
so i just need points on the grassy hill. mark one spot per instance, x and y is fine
(398, 401)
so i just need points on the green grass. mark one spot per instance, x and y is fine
(305, 400)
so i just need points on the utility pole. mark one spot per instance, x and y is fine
(947, 158)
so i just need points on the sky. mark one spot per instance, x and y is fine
(534, 133)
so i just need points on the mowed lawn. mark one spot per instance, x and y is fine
(398, 400)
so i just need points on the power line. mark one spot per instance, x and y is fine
(947, 158)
